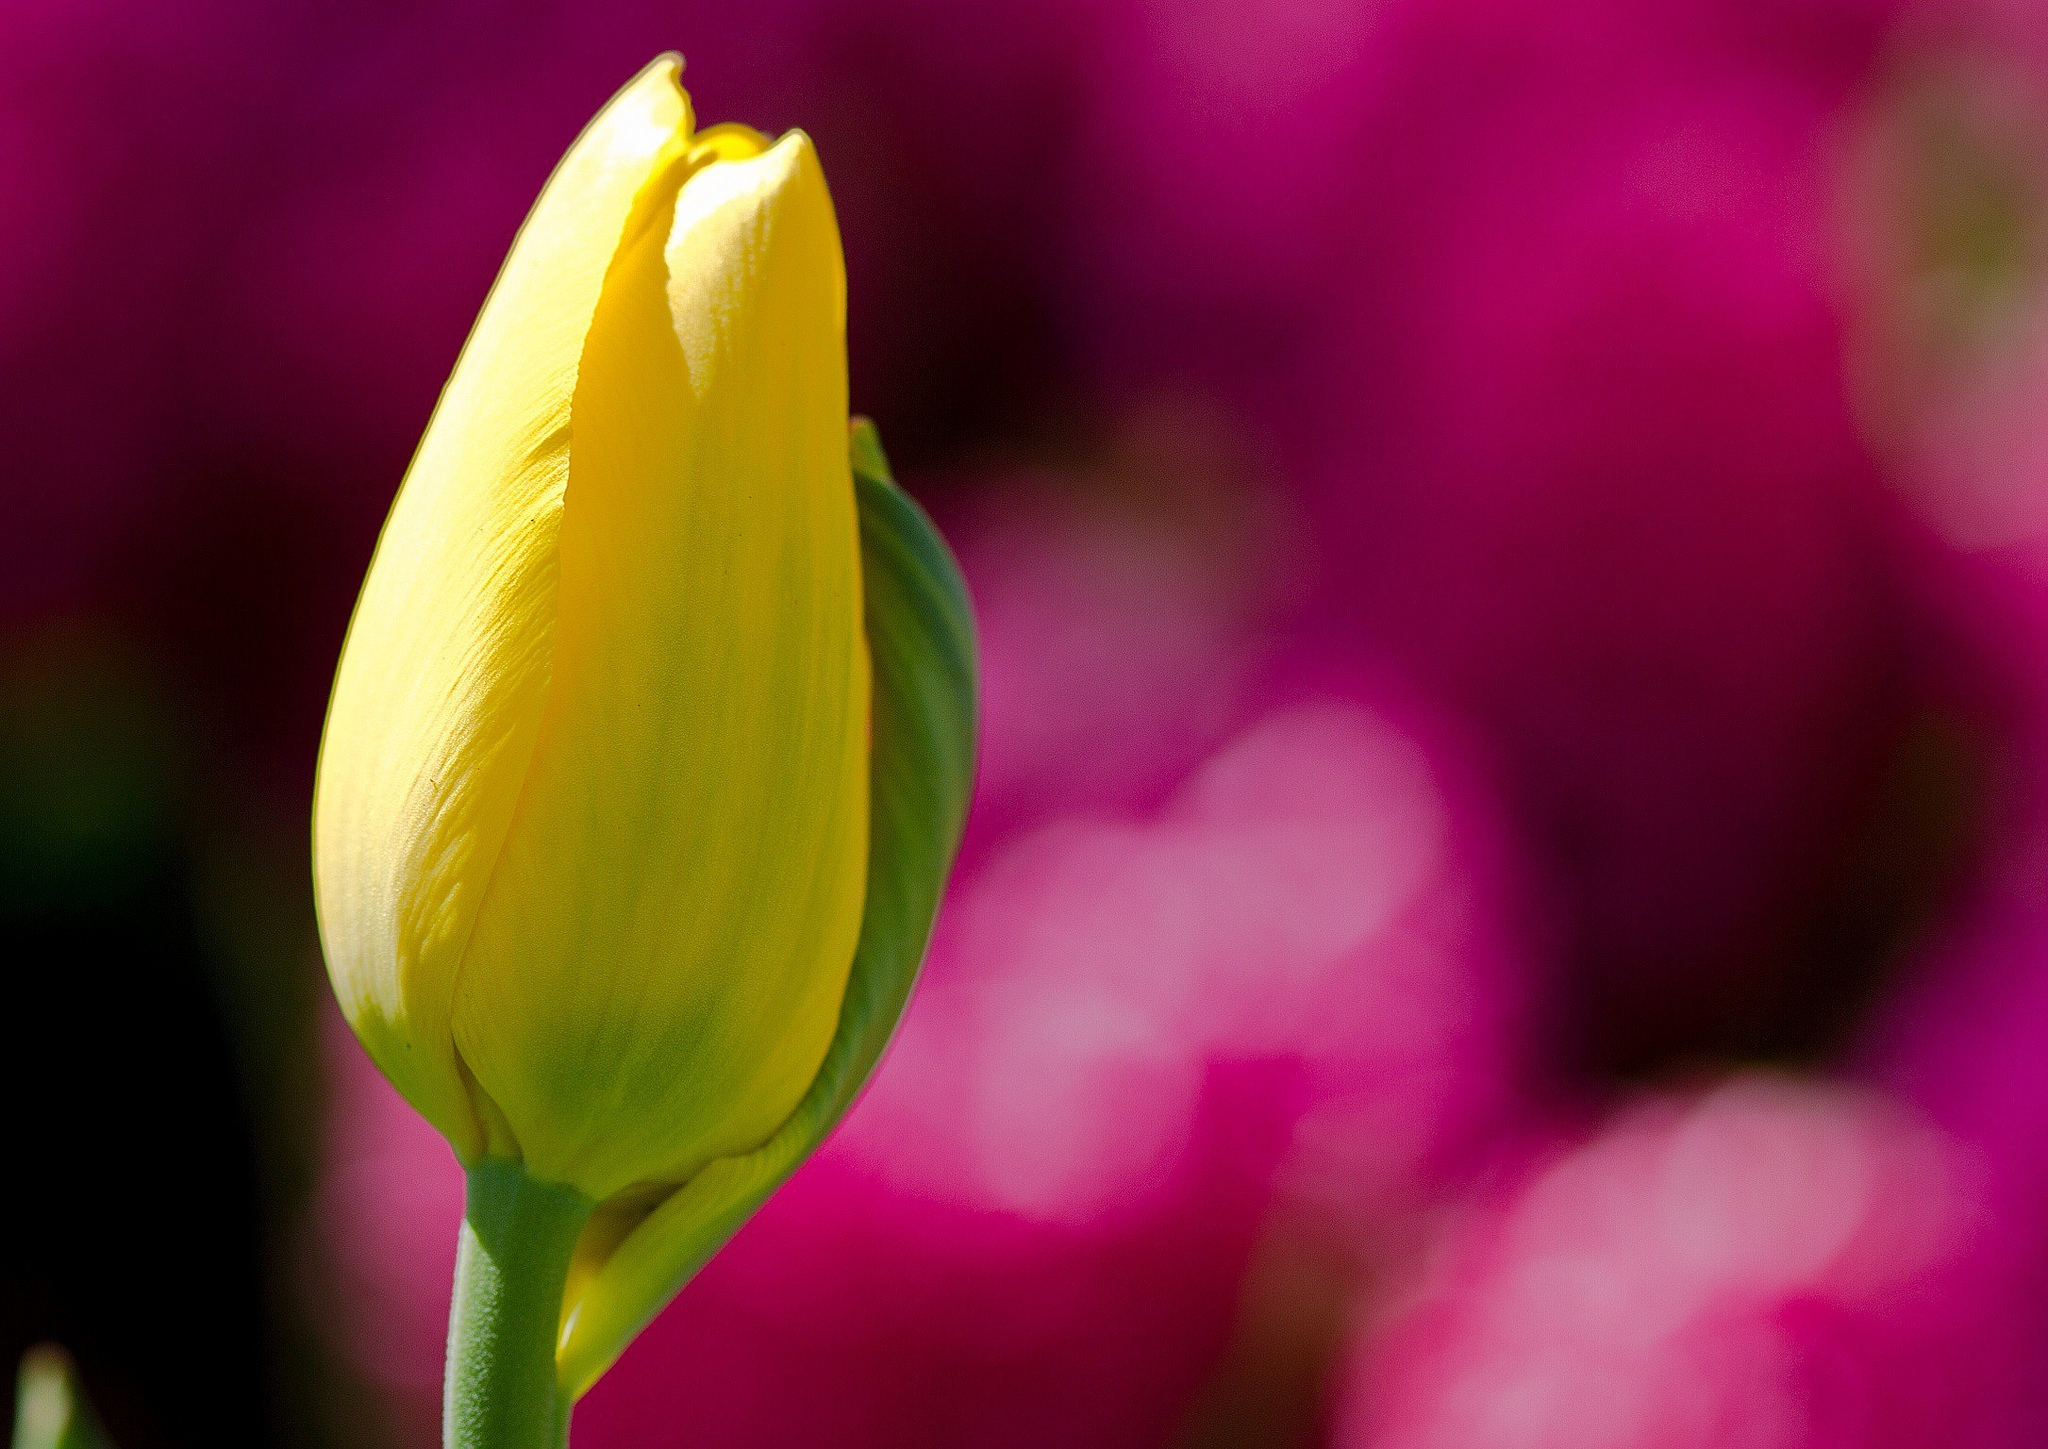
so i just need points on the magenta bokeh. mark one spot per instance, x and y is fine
(1508, 899)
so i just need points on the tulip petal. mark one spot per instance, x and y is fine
(657, 968)
(439, 696)
(920, 637)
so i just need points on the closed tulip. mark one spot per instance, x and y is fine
(649, 745)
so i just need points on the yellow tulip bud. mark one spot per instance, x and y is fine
(649, 751)
(591, 825)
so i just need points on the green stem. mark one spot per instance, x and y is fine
(510, 1267)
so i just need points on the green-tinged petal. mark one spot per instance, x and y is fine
(657, 968)
(921, 640)
(439, 696)
(50, 1410)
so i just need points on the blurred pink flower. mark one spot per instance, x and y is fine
(1944, 275)
(1297, 899)
(1741, 1269)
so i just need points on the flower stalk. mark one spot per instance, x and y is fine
(511, 1264)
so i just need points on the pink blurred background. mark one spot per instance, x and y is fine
(1507, 904)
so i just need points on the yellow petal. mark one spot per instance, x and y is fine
(636, 1252)
(658, 965)
(439, 695)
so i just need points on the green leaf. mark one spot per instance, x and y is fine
(921, 639)
(50, 1410)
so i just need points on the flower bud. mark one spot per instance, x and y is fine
(591, 824)
(652, 735)
(602, 775)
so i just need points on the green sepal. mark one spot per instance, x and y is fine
(50, 1409)
(920, 632)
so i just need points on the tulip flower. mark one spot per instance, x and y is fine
(649, 747)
